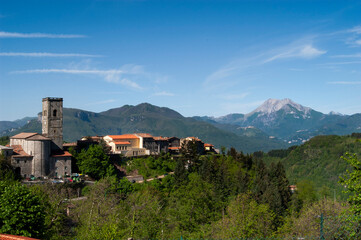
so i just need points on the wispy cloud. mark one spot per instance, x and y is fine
(356, 29)
(38, 35)
(112, 75)
(45, 54)
(304, 51)
(164, 93)
(345, 83)
(246, 67)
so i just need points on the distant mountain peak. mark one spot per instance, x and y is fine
(274, 105)
(335, 113)
(142, 108)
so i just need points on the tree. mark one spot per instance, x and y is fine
(21, 211)
(307, 225)
(352, 181)
(190, 154)
(95, 162)
(7, 172)
(191, 206)
(245, 219)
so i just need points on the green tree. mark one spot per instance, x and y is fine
(7, 172)
(306, 192)
(190, 155)
(4, 140)
(191, 206)
(21, 211)
(245, 219)
(95, 162)
(352, 181)
(306, 224)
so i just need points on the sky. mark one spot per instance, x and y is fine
(196, 57)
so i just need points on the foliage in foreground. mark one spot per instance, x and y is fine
(21, 211)
(220, 196)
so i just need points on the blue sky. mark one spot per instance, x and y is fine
(196, 57)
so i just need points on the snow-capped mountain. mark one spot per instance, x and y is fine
(274, 105)
(285, 119)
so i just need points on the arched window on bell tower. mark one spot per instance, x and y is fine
(54, 113)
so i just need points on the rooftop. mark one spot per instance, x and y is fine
(121, 142)
(23, 135)
(61, 153)
(19, 151)
(144, 135)
(124, 136)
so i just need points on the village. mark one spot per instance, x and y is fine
(46, 156)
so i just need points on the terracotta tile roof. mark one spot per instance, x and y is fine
(208, 145)
(19, 151)
(24, 135)
(194, 138)
(121, 142)
(124, 136)
(144, 135)
(174, 148)
(38, 137)
(13, 237)
(5, 147)
(61, 153)
(73, 144)
(160, 138)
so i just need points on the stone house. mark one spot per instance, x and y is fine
(41, 155)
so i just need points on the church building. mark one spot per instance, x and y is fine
(41, 155)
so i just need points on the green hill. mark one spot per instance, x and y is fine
(318, 160)
(158, 121)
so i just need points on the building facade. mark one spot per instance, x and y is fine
(41, 155)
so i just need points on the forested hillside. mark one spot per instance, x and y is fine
(317, 161)
(222, 196)
(158, 121)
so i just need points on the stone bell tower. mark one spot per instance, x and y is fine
(52, 121)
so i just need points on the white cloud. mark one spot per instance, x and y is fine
(112, 76)
(245, 68)
(44, 54)
(358, 42)
(304, 51)
(356, 30)
(164, 93)
(38, 35)
(130, 83)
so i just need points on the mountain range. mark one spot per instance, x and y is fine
(291, 122)
(275, 124)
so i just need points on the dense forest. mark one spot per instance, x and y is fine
(217, 196)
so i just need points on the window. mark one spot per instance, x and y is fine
(65, 167)
(45, 113)
(54, 113)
